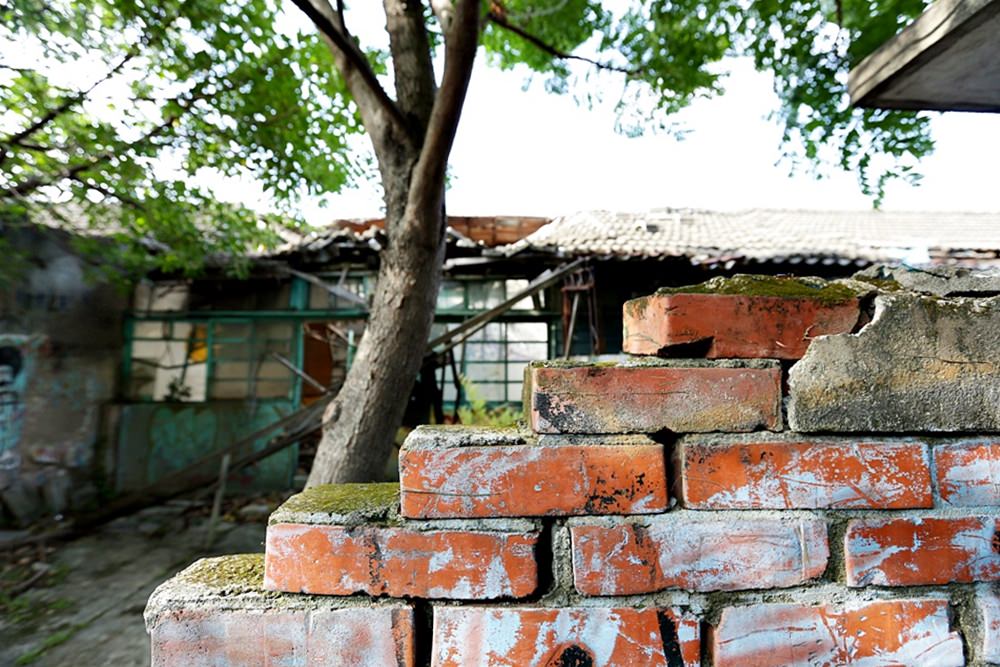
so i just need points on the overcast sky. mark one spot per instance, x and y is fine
(531, 153)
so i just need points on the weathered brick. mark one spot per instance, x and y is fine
(212, 614)
(922, 364)
(988, 602)
(884, 632)
(922, 551)
(444, 474)
(625, 557)
(473, 636)
(400, 561)
(740, 317)
(654, 395)
(751, 472)
(968, 473)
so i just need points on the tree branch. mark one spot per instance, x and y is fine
(354, 67)
(499, 19)
(107, 192)
(29, 185)
(68, 103)
(460, 24)
(411, 60)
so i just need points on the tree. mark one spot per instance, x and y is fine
(238, 93)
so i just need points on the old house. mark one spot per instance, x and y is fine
(171, 374)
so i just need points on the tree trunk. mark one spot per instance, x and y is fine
(362, 420)
(412, 137)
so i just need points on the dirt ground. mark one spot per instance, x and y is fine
(86, 602)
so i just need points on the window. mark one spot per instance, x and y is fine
(180, 360)
(479, 295)
(493, 360)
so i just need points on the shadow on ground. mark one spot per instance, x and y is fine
(87, 609)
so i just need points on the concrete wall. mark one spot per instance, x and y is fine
(60, 349)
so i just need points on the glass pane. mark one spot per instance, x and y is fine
(515, 286)
(527, 351)
(273, 388)
(515, 370)
(150, 329)
(235, 331)
(273, 330)
(225, 390)
(486, 372)
(273, 369)
(483, 351)
(492, 392)
(232, 370)
(232, 351)
(527, 331)
(452, 295)
(485, 295)
(514, 391)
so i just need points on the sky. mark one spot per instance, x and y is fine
(531, 153)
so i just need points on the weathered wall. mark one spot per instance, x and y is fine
(157, 439)
(665, 512)
(60, 349)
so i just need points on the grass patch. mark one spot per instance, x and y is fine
(53, 640)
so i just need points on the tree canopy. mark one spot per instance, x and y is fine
(110, 110)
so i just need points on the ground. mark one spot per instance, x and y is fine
(86, 605)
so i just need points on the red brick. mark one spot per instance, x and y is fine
(733, 326)
(750, 473)
(399, 561)
(216, 612)
(922, 551)
(968, 473)
(616, 557)
(988, 602)
(474, 636)
(886, 632)
(533, 480)
(356, 636)
(645, 398)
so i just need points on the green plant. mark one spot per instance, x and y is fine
(477, 412)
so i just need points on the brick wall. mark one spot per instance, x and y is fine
(784, 472)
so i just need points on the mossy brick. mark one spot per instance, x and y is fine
(922, 551)
(567, 637)
(741, 317)
(341, 504)
(796, 471)
(653, 395)
(878, 632)
(216, 612)
(968, 473)
(695, 552)
(922, 364)
(498, 473)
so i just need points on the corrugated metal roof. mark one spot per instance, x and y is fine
(768, 235)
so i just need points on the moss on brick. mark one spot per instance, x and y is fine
(772, 286)
(235, 572)
(374, 499)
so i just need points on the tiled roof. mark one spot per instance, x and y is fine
(770, 235)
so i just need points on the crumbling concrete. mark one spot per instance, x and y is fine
(922, 364)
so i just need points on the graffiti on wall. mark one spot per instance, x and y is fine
(17, 361)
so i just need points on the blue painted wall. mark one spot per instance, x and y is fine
(157, 439)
